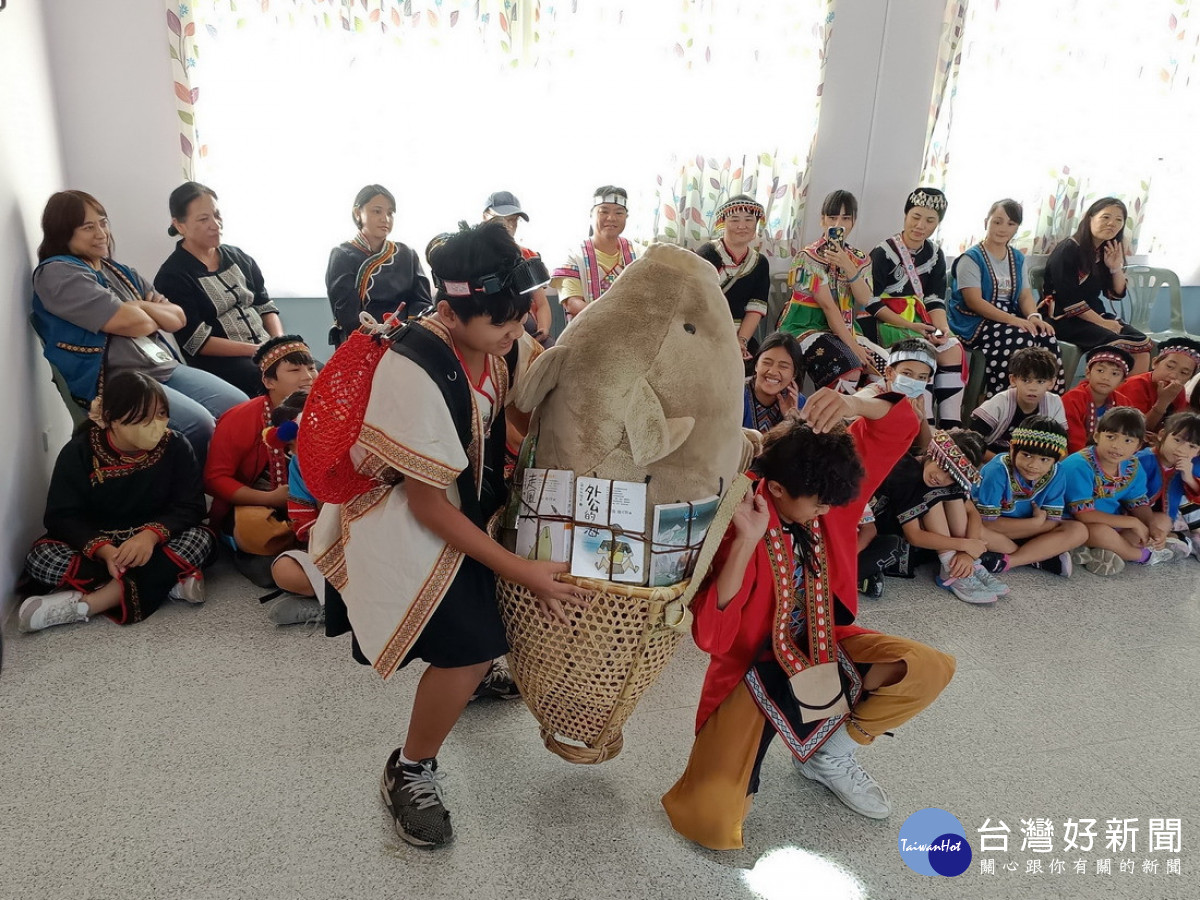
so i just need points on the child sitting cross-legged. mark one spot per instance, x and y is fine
(1020, 499)
(926, 500)
(1032, 373)
(1107, 367)
(1106, 490)
(1172, 468)
(123, 516)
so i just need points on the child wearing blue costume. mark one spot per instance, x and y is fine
(1020, 499)
(1106, 491)
(1173, 480)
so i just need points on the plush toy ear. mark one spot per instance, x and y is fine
(540, 378)
(652, 436)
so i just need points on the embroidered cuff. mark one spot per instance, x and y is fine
(756, 306)
(90, 548)
(267, 308)
(1053, 513)
(874, 306)
(1079, 506)
(935, 303)
(1075, 309)
(161, 531)
(1136, 503)
(193, 344)
(988, 513)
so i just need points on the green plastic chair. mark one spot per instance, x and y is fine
(1145, 282)
(78, 413)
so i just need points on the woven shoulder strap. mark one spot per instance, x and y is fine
(716, 532)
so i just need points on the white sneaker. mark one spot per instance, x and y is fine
(1180, 549)
(836, 767)
(1099, 561)
(190, 590)
(1165, 555)
(48, 610)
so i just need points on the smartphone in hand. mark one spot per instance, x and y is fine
(836, 235)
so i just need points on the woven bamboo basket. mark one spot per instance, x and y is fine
(582, 681)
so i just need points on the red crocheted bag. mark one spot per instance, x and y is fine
(333, 417)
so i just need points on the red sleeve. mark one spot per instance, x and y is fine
(236, 438)
(1075, 405)
(1138, 392)
(880, 444)
(713, 629)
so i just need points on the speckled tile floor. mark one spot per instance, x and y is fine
(205, 754)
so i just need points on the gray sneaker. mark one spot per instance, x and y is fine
(413, 795)
(968, 590)
(990, 581)
(292, 609)
(836, 766)
(1099, 561)
(1178, 548)
(48, 610)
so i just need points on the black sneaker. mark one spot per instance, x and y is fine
(1055, 565)
(871, 586)
(498, 684)
(413, 795)
(993, 562)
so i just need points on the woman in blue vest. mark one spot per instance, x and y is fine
(97, 317)
(991, 303)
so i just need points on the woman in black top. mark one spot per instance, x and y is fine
(221, 292)
(1089, 263)
(743, 273)
(371, 274)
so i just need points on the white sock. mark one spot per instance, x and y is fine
(405, 761)
(946, 557)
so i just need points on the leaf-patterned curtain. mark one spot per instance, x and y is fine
(1056, 103)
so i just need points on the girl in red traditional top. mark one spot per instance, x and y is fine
(778, 614)
(1162, 390)
(241, 469)
(1087, 402)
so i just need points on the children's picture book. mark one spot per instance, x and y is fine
(544, 523)
(679, 530)
(609, 542)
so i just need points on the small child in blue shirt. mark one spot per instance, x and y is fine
(1106, 491)
(1020, 499)
(1173, 480)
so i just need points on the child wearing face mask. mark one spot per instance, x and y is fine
(911, 365)
(123, 516)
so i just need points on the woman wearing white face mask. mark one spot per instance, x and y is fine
(123, 516)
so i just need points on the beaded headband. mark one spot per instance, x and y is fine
(899, 356)
(948, 455)
(740, 204)
(930, 198)
(1181, 345)
(1039, 443)
(611, 197)
(1108, 355)
(275, 354)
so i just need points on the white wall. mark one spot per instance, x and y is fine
(35, 422)
(874, 110)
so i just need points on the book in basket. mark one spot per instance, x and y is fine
(679, 530)
(609, 540)
(544, 520)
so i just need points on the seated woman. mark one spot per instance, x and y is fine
(908, 273)
(371, 274)
(123, 516)
(774, 389)
(743, 273)
(1090, 263)
(98, 317)
(506, 207)
(589, 272)
(220, 289)
(831, 285)
(243, 472)
(991, 305)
